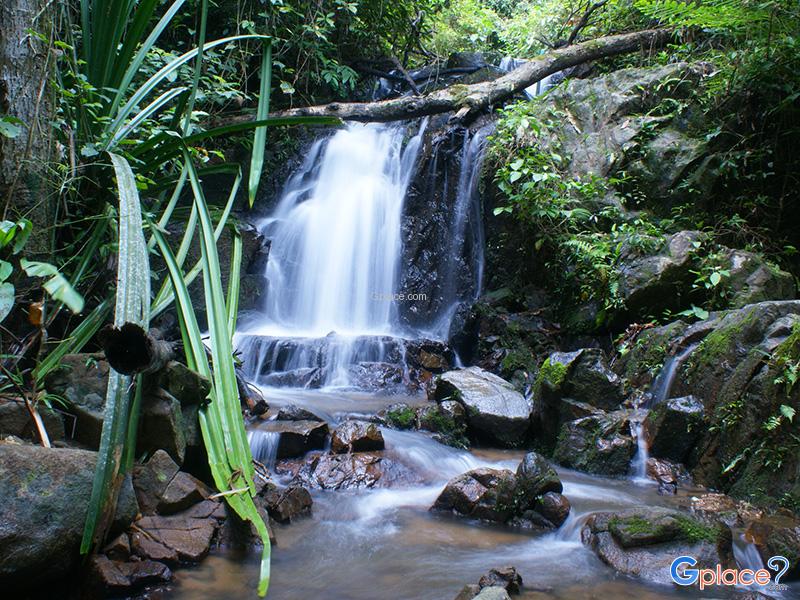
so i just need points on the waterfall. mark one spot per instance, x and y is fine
(264, 446)
(662, 386)
(540, 87)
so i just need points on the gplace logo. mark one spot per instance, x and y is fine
(683, 572)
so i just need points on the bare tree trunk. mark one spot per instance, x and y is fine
(469, 100)
(25, 67)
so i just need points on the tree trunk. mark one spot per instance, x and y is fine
(25, 65)
(468, 100)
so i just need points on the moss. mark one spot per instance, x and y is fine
(450, 432)
(401, 418)
(635, 525)
(694, 531)
(551, 374)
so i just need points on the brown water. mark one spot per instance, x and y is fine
(383, 544)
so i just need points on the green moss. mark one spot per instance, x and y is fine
(551, 374)
(402, 418)
(450, 432)
(635, 525)
(694, 531)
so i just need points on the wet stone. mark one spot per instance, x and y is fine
(354, 436)
(172, 538)
(182, 492)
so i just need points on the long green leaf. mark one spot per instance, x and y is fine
(260, 136)
(198, 66)
(132, 305)
(234, 283)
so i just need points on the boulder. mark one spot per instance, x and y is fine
(16, 420)
(506, 578)
(486, 494)
(352, 471)
(161, 425)
(643, 542)
(189, 387)
(496, 412)
(151, 479)
(113, 577)
(753, 279)
(182, 492)
(286, 504)
(297, 437)
(582, 375)
(447, 420)
(535, 478)
(672, 428)
(293, 412)
(599, 444)
(43, 502)
(172, 538)
(554, 507)
(777, 535)
(356, 436)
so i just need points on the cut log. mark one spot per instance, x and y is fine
(468, 100)
(130, 349)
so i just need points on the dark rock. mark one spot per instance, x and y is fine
(287, 504)
(535, 477)
(43, 503)
(673, 428)
(161, 425)
(466, 60)
(777, 535)
(181, 493)
(506, 578)
(753, 279)
(189, 387)
(214, 509)
(429, 355)
(664, 473)
(151, 479)
(172, 538)
(351, 471)
(297, 437)
(119, 548)
(355, 436)
(582, 375)
(495, 410)
(307, 377)
(554, 507)
(486, 494)
(16, 420)
(81, 380)
(643, 542)
(448, 420)
(598, 444)
(114, 577)
(377, 376)
(292, 412)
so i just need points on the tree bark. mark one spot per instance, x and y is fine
(468, 100)
(25, 66)
(131, 350)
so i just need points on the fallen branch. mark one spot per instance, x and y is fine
(469, 100)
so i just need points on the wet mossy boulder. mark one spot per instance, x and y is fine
(485, 494)
(496, 412)
(601, 444)
(643, 542)
(673, 427)
(356, 436)
(44, 496)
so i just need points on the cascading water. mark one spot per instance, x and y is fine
(335, 255)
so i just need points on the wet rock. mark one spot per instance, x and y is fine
(119, 548)
(377, 376)
(297, 437)
(182, 492)
(474, 60)
(355, 436)
(43, 502)
(351, 471)
(486, 494)
(719, 508)
(753, 279)
(16, 420)
(400, 416)
(643, 542)
(535, 478)
(554, 507)
(292, 412)
(81, 380)
(582, 375)
(309, 378)
(496, 412)
(447, 420)
(286, 504)
(172, 538)
(665, 473)
(598, 444)
(429, 355)
(115, 577)
(673, 428)
(151, 479)
(493, 593)
(161, 425)
(468, 592)
(777, 535)
(506, 578)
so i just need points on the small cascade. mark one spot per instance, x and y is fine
(663, 384)
(639, 462)
(264, 446)
(540, 87)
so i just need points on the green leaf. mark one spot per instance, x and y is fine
(24, 228)
(10, 127)
(260, 136)
(6, 299)
(514, 176)
(57, 285)
(788, 412)
(5, 270)
(715, 278)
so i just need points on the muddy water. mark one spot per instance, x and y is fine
(383, 544)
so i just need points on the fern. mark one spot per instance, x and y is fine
(731, 15)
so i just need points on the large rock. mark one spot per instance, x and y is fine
(535, 478)
(486, 494)
(506, 578)
(753, 279)
(151, 479)
(777, 535)
(352, 471)
(356, 436)
(599, 444)
(286, 504)
(182, 492)
(173, 538)
(161, 425)
(673, 427)
(113, 577)
(297, 437)
(496, 412)
(44, 494)
(643, 542)
(16, 420)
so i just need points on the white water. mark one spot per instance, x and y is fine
(264, 446)
(540, 87)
